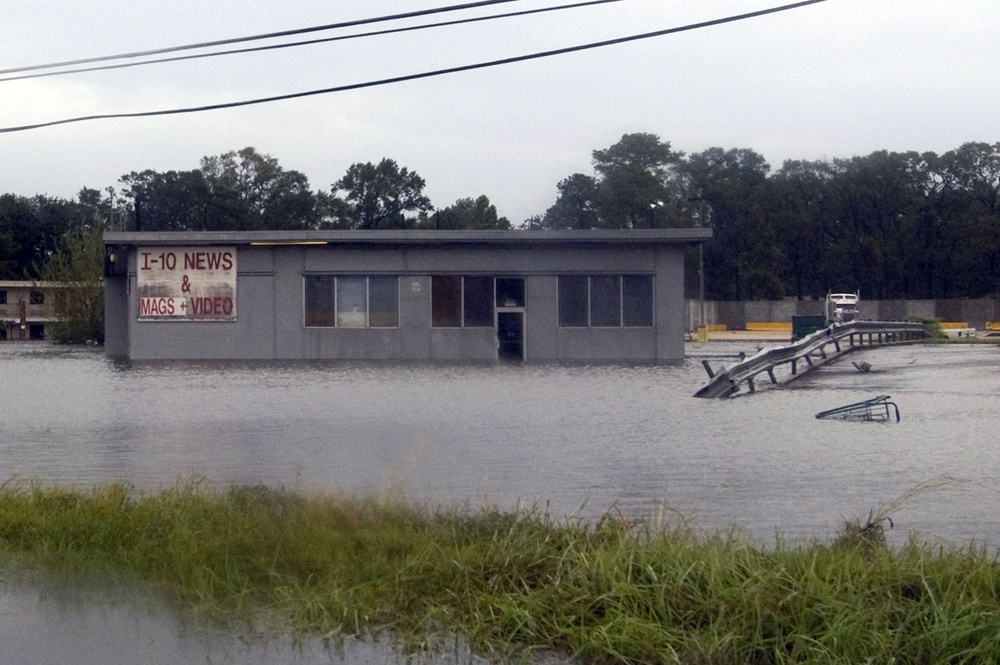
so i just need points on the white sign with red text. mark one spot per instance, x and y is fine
(186, 283)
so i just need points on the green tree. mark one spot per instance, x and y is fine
(250, 191)
(377, 196)
(879, 195)
(169, 201)
(744, 260)
(975, 170)
(969, 220)
(806, 220)
(638, 184)
(475, 214)
(576, 205)
(237, 190)
(30, 229)
(78, 267)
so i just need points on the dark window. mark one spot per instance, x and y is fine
(3, 297)
(468, 301)
(605, 301)
(637, 300)
(477, 296)
(573, 301)
(319, 301)
(446, 301)
(36, 298)
(510, 292)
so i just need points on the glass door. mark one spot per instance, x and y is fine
(510, 335)
(510, 318)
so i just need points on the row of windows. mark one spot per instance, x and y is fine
(470, 301)
(605, 301)
(351, 301)
(34, 297)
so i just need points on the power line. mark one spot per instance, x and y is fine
(251, 38)
(309, 42)
(413, 77)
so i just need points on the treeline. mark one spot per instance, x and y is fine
(890, 224)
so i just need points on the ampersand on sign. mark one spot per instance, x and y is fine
(186, 285)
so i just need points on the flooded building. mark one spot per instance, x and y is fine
(539, 296)
(27, 309)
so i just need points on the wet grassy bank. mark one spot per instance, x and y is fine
(515, 584)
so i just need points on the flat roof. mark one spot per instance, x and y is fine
(29, 284)
(412, 237)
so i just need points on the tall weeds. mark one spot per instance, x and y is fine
(517, 583)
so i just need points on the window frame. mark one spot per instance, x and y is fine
(332, 316)
(573, 313)
(484, 313)
(632, 298)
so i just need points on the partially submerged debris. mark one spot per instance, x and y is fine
(876, 409)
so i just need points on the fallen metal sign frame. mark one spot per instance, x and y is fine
(877, 409)
(812, 350)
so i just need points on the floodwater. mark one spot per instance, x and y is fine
(572, 440)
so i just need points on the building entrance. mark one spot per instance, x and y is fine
(510, 318)
(510, 335)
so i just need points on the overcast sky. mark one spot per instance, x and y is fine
(834, 79)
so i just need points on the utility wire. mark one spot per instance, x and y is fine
(251, 38)
(422, 75)
(373, 33)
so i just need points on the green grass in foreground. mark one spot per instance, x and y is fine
(517, 584)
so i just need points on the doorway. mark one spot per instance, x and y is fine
(510, 318)
(510, 335)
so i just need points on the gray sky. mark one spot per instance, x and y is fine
(835, 79)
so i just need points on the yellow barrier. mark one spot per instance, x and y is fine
(769, 326)
(716, 327)
(954, 325)
(993, 325)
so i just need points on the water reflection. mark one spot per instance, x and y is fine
(91, 624)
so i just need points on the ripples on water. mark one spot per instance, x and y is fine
(570, 439)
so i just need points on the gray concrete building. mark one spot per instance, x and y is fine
(537, 296)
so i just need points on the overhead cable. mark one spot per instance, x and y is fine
(373, 33)
(413, 77)
(251, 38)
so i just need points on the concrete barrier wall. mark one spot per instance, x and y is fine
(736, 315)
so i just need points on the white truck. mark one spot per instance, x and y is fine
(842, 307)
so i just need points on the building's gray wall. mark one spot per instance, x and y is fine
(668, 292)
(270, 306)
(116, 332)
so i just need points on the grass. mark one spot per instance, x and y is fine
(518, 584)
